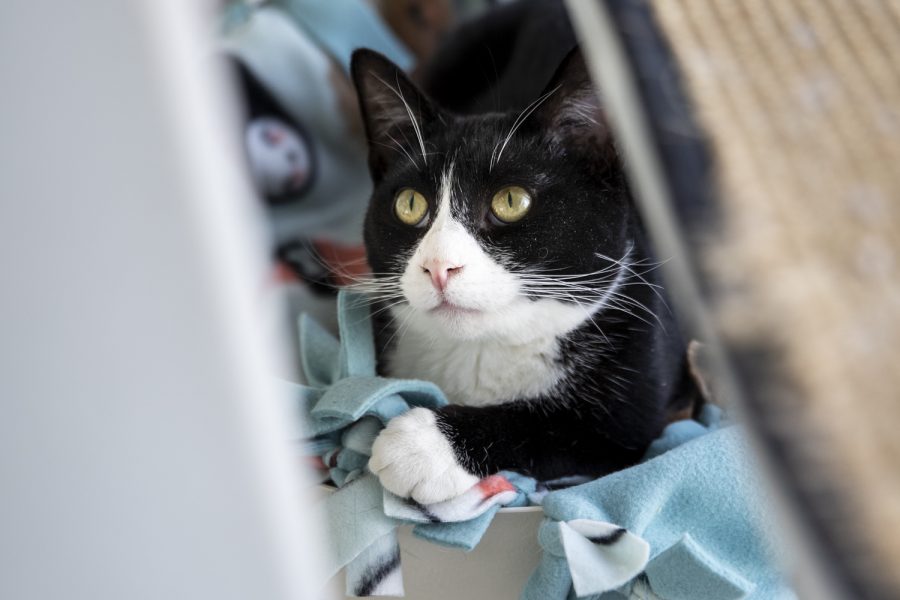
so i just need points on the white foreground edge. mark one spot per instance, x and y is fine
(142, 447)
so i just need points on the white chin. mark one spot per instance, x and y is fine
(463, 325)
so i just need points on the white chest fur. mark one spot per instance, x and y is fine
(478, 372)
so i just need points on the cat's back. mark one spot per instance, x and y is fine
(502, 60)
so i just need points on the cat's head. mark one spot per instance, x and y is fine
(505, 225)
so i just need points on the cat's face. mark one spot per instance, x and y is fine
(503, 226)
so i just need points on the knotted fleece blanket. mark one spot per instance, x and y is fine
(685, 524)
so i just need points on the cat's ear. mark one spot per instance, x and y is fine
(570, 109)
(394, 111)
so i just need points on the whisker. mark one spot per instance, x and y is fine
(640, 276)
(404, 150)
(523, 116)
(412, 117)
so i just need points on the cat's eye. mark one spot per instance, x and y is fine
(410, 206)
(510, 204)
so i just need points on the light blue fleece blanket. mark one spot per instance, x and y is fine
(695, 525)
(687, 523)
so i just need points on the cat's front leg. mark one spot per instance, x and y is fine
(413, 458)
(434, 456)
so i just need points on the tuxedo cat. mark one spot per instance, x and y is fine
(510, 267)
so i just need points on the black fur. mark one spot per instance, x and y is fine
(480, 68)
(626, 371)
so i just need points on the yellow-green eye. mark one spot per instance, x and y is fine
(510, 204)
(410, 206)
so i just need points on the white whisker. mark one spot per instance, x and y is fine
(409, 112)
(526, 112)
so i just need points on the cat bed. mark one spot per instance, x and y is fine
(684, 523)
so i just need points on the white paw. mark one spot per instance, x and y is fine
(413, 459)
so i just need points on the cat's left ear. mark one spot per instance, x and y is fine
(571, 111)
(394, 111)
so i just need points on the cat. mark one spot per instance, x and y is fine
(509, 266)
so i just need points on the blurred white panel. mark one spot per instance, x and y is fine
(141, 442)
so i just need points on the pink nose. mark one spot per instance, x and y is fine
(440, 272)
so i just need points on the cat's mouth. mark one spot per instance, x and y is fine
(449, 308)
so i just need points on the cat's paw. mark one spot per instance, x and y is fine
(413, 459)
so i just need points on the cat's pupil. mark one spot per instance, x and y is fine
(412, 197)
(509, 199)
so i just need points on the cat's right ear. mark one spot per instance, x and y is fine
(393, 109)
(571, 110)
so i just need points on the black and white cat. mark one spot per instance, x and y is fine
(510, 268)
